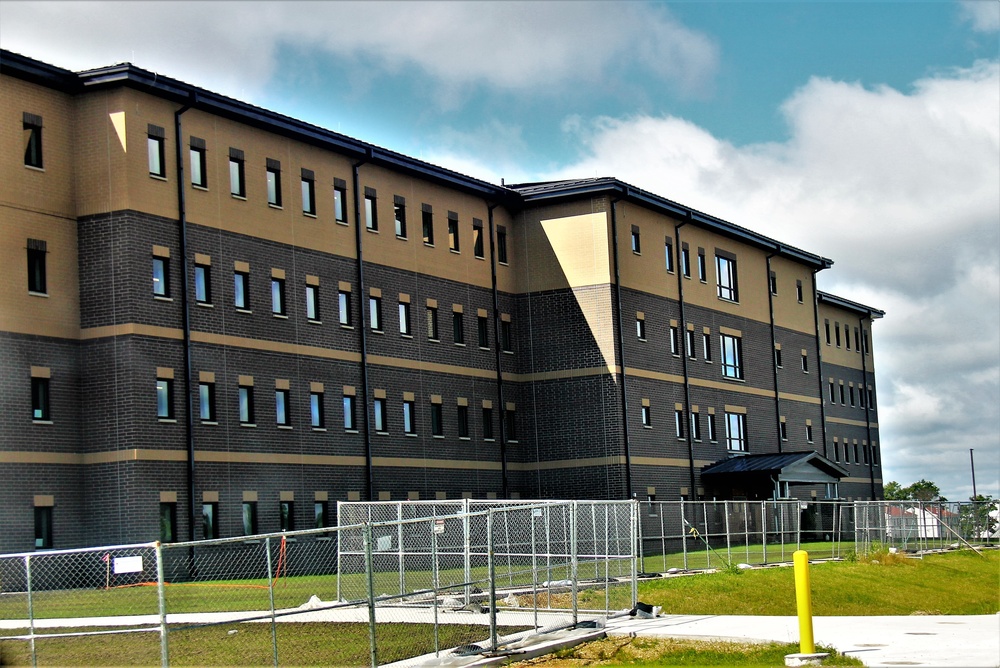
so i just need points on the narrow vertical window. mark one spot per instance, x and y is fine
(798, 291)
(501, 244)
(432, 323)
(695, 426)
(826, 327)
(249, 516)
(645, 414)
(640, 328)
(487, 424)
(675, 343)
(836, 333)
(850, 391)
(409, 418)
(477, 238)
(36, 266)
(427, 224)
(349, 420)
(371, 209)
(43, 527)
(847, 336)
(278, 296)
(843, 397)
(506, 336)
(706, 340)
(482, 330)
(777, 357)
(308, 192)
(689, 343)
(772, 283)
(199, 163)
(679, 423)
(245, 404)
(317, 410)
(203, 283)
(462, 418)
(458, 327)
(809, 433)
(155, 141)
(312, 302)
(161, 276)
(241, 290)
(702, 269)
(32, 124)
(437, 420)
(725, 269)
(510, 423)
(344, 308)
(40, 405)
(378, 408)
(857, 340)
(685, 261)
(168, 522)
(404, 319)
(783, 430)
(286, 515)
(237, 173)
(206, 402)
(273, 182)
(399, 215)
(712, 434)
(668, 254)
(320, 514)
(165, 398)
(282, 409)
(375, 313)
(453, 242)
(805, 362)
(340, 201)
(210, 520)
(833, 399)
(636, 240)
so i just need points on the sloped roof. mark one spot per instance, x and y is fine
(788, 466)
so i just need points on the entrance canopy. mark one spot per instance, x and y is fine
(791, 467)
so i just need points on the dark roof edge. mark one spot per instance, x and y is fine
(126, 74)
(849, 305)
(558, 190)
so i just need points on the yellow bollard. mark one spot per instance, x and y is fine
(803, 600)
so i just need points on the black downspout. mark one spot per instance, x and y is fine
(185, 309)
(363, 329)
(774, 345)
(682, 349)
(819, 354)
(621, 349)
(498, 354)
(868, 419)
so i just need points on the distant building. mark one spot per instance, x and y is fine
(217, 320)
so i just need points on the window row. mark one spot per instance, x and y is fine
(249, 522)
(849, 394)
(833, 334)
(854, 452)
(734, 423)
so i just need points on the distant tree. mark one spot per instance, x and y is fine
(893, 491)
(922, 490)
(979, 518)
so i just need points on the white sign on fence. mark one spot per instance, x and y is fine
(128, 565)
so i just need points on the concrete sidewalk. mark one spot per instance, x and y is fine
(955, 641)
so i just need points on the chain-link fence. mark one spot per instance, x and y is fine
(918, 526)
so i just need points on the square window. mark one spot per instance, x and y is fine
(483, 332)
(168, 522)
(286, 514)
(249, 518)
(399, 215)
(501, 244)
(203, 283)
(477, 238)
(308, 192)
(43, 527)
(161, 276)
(241, 290)
(340, 203)
(404, 319)
(245, 404)
(732, 356)
(237, 173)
(155, 141)
(349, 420)
(199, 163)
(312, 302)
(437, 420)
(488, 424)
(725, 269)
(206, 402)
(165, 399)
(453, 233)
(409, 418)
(40, 406)
(736, 429)
(37, 250)
(432, 324)
(427, 218)
(317, 410)
(273, 182)
(458, 327)
(282, 409)
(210, 521)
(636, 247)
(380, 415)
(344, 308)
(32, 125)
(278, 296)
(375, 313)
(463, 421)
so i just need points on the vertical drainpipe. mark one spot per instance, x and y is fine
(621, 347)
(819, 353)
(185, 309)
(498, 355)
(681, 348)
(363, 327)
(868, 419)
(774, 343)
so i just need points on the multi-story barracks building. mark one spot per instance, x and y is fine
(216, 320)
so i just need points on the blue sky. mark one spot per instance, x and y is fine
(868, 132)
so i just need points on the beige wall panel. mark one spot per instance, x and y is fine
(147, 193)
(51, 189)
(103, 169)
(572, 251)
(648, 271)
(788, 312)
(751, 268)
(842, 356)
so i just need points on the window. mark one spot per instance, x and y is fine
(32, 140)
(245, 404)
(712, 435)
(199, 163)
(273, 182)
(689, 343)
(312, 302)
(371, 210)
(702, 269)
(706, 340)
(210, 520)
(836, 451)
(161, 276)
(847, 336)
(40, 407)
(427, 220)
(861, 397)
(282, 409)
(843, 399)
(809, 433)
(409, 418)
(241, 290)
(168, 522)
(772, 283)
(278, 296)
(668, 254)
(732, 356)
(695, 427)
(725, 268)
(510, 422)
(850, 391)
(155, 141)
(453, 231)
(675, 341)
(249, 518)
(857, 340)
(349, 420)
(798, 291)
(165, 399)
(487, 424)
(636, 241)
(437, 420)
(685, 261)
(43, 527)
(640, 328)
(37, 250)
(320, 514)
(286, 514)
(477, 238)
(404, 319)
(203, 283)
(458, 327)
(646, 417)
(833, 398)
(379, 409)
(483, 331)
(836, 332)
(857, 460)
(317, 410)
(783, 430)
(736, 429)
(679, 423)
(375, 313)
(308, 192)
(777, 357)
(501, 244)
(344, 308)
(237, 173)
(399, 214)
(206, 402)
(432, 323)
(506, 336)
(826, 327)
(805, 362)
(832, 490)
(462, 418)
(864, 340)
(340, 201)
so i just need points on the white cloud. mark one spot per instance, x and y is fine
(543, 47)
(902, 190)
(984, 15)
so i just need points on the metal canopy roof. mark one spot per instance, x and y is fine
(788, 466)
(834, 300)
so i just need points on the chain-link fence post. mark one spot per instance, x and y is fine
(31, 609)
(729, 544)
(636, 558)
(763, 530)
(535, 512)
(434, 582)
(684, 543)
(270, 594)
(467, 563)
(574, 559)
(162, 605)
(491, 567)
(370, 582)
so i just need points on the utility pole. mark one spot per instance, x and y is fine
(972, 461)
